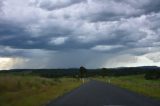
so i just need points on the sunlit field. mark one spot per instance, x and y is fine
(136, 83)
(29, 90)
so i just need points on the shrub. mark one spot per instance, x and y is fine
(152, 75)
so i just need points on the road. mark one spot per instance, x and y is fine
(96, 93)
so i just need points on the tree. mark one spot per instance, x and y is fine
(152, 75)
(104, 72)
(82, 72)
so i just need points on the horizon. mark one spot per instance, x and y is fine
(77, 68)
(39, 34)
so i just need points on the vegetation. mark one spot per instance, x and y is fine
(82, 72)
(30, 90)
(152, 75)
(136, 83)
(35, 87)
(125, 71)
(75, 72)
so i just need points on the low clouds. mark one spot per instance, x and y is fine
(94, 33)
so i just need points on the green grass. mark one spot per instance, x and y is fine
(136, 83)
(27, 90)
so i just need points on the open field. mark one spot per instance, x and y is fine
(136, 83)
(28, 90)
(38, 87)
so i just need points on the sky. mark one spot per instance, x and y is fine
(71, 33)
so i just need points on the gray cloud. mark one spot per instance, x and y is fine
(55, 4)
(94, 33)
(1, 6)
(102, 10)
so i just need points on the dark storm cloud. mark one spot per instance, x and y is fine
(116, 9)
(147, 5)
(150, 6)
(80, 31)
(10, 29)
(13, 35)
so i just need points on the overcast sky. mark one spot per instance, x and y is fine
(71, 33)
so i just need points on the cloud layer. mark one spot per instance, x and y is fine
(70, 33)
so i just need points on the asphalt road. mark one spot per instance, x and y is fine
(96, 93)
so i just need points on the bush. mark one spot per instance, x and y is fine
(152, 75)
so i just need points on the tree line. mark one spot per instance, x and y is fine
(149, 72)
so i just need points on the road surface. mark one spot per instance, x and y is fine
(96, 93)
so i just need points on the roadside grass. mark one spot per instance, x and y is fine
(136, 83)
(28, 90)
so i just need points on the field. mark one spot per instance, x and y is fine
(136, 83)
(29, 90)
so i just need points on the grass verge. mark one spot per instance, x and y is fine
(17, 90)
(136, 83)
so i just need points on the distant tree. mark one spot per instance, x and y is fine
(152, 75)
(82, 72)
(104, 72)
